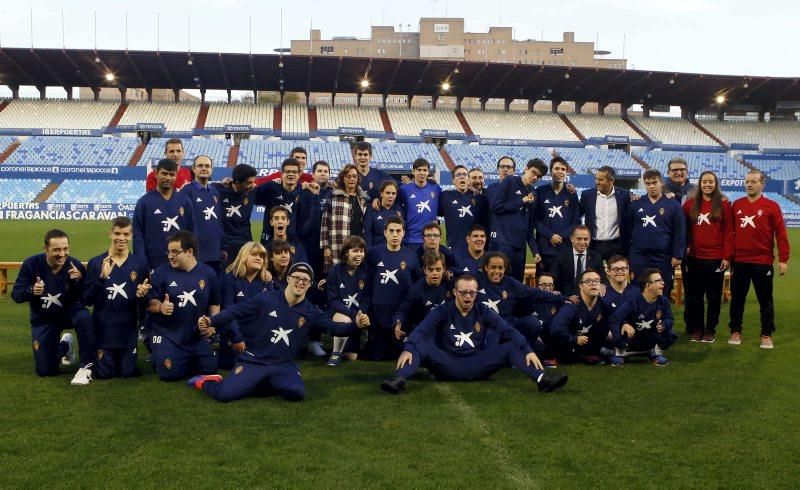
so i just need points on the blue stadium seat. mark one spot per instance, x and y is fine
(70, 150)
(98, 191)
(21, 190)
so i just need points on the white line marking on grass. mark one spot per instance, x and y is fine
(502, 458)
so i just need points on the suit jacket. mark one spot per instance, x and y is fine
(589, 202)
(563, 270)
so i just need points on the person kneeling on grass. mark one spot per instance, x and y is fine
(462, 340)
(279, 331)
(643, 324)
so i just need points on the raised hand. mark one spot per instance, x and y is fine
(38, 287)
(74, 273)
(166, 307)
(143, 288)
(108, 265)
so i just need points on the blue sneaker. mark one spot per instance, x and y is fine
(197, 382)
(616, 361)
(335, 359)
(659, 360)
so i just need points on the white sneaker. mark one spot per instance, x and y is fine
(316, 349)
(766, 342)
(70, 357)
(83, 376)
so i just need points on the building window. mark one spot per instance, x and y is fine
(345, 50)
(326, 49)
(556, 51)
(441, 37)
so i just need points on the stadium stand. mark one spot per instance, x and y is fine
(176, 117)
(270, 154)
(406, 153)
(332, 118)
(68, 150)
(587, 160)
(787, 206)
(256, 116)
(720, 163)
(6, 141)
(776, 168)
(485, 156)
(535, 126)
(215, 148)
(21, 190)
(57, 114)
(411, 122)
(673, 131)
(597, 126)
(98, 191)
(294, 121)
(773, 134)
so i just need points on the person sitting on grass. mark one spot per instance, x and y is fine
(454, 343)
(279, 331)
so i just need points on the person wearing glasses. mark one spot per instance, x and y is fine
(272, 341)
(578, 331)
(285, 193)
(432, 242)
(455, 344)
(343, 215)
(183, 290)
(160, 213)
(461, 208)
(677, 185)
(505, 166)
(619, 288)
(658, 231)
(643, 325)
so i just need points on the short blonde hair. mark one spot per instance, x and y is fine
(238, 268)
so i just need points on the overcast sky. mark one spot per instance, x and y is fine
(735, 37)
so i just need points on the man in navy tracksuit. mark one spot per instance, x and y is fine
(643, 324)
(285, 194)
(658, 231)
(420, 201)
(236, 201)
(426, 294)
(461, 208)
(207, 211)
(53, 283)
(557, 212)
(308, 215)
(183, 291)
(271, 343)
(512, 209)
(454, 342)
(468, 257)
(160, 213)
(116, 283)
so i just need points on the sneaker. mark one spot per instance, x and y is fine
(736, 338)
(659, 360)
(550, 363)
(552, 380)
(335, 359)
(616, 361)
(593, 360)
(697, 336)
(766, 342)
(394, 385)
(708, 338)
(70, 357)
(197, 382)
(83, 376)
(316, 349)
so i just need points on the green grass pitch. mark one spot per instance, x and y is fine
(719, 416)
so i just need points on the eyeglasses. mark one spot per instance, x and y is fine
(591, 282)
(173, 253)
(506, 167)
(678, 170)
(620, 269)
(466, 294)
(546, 285)
(460, 174)
(432, 235)
(301, 280)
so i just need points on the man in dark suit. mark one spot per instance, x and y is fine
(570, 263)
(604, 209)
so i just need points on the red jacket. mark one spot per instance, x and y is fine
(304, 178)
(709, 239)
(758, 225)
(183, 177)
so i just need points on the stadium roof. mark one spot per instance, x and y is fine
(292, 73)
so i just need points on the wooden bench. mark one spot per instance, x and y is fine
(4, 268)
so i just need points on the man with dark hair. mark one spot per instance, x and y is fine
(237, 206)
(182, 291)
(420, 201)
(160, 213)
(512, 205)
(116, 284)
(461, 208)
(658, 231)
(52, 283)
(604, 209)
(619, 289)
(426, 294)
(284, 194)
(432, 241)
(643, 325)
(557, 212)
(301, 155)
(678, 186)
(569, 265)
(208, 211)
(454, 343)
(505, 166)
(173, 150)
(760, 229)
(468, 258)
(371, 178)
(280, 223)
(308, 218)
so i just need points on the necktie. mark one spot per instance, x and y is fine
(579, 266)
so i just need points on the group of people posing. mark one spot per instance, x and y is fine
(363, 255)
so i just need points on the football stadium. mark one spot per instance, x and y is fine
(698, 408)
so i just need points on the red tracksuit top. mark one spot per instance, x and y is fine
(757, 226)
(709, 239)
